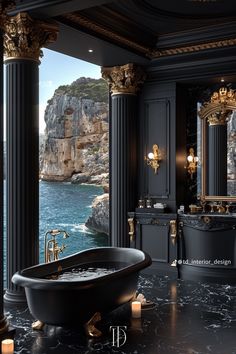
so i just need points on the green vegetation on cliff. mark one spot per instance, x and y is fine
(94, 89)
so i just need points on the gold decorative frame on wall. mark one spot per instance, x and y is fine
(205, 112)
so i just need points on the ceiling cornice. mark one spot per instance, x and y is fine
(77, 19)
(202, 34)
(51, 8)
(83, 23)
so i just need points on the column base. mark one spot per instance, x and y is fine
(14, 297)
(4, 324)
(6, 332)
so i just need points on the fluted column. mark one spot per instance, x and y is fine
(124, 83)
(23, 40)
(217, 159)
(5, 330)
(3, 319)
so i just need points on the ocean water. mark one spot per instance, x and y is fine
(67, 206)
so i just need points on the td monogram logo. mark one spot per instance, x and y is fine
(118, 335)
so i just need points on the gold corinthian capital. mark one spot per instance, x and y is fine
(24, 37)
(125, 79)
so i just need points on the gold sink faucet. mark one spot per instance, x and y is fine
(51, 247)
(220, 208)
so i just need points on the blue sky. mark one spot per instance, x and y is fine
(58, 69)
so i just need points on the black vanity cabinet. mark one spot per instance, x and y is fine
(207, 247)
(156, 234)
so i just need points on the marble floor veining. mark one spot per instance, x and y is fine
(189, 318)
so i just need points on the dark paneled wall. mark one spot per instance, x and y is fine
(157, 126)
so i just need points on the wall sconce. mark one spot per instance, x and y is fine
(192, 162)
(154, 158)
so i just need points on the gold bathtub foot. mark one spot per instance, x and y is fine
(90, 328)
(38, 325)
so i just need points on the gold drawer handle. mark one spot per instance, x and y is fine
(173, 231)
(131, 229)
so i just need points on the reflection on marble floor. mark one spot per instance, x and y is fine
(190, 318)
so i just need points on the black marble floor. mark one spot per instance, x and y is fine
(189, 318)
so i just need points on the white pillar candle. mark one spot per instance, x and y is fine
(136, 309)
(136, 324)
(7, 346)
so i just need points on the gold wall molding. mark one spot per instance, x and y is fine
(24, 37)
(125, 79)
(220, 107)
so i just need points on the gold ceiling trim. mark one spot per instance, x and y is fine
(78, 19)
(193, 48)
(89, 24)
(125, 79)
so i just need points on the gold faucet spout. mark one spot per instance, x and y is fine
(51, 248)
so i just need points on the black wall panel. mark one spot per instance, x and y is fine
(157, 126)
(157, 123)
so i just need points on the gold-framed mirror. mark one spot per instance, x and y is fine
(217, 112)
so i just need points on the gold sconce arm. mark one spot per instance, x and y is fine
(153, 158)
(131, 228)
(192, 162)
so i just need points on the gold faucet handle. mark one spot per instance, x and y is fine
(65, 234)
(220, 208)
(61, 249)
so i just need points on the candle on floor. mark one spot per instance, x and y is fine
(7, 346)
(136, 324)
(136, 309)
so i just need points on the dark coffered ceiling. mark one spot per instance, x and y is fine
(137, 30)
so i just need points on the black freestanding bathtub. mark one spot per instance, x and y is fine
(66, 302)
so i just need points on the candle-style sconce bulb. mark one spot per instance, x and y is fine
(192, 162)
(154, 158)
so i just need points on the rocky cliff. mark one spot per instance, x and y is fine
(99, 220)
(76, 136)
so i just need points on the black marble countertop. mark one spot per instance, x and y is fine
(215, 215)
(189, 318)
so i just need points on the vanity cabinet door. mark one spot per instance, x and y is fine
(157, 238)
